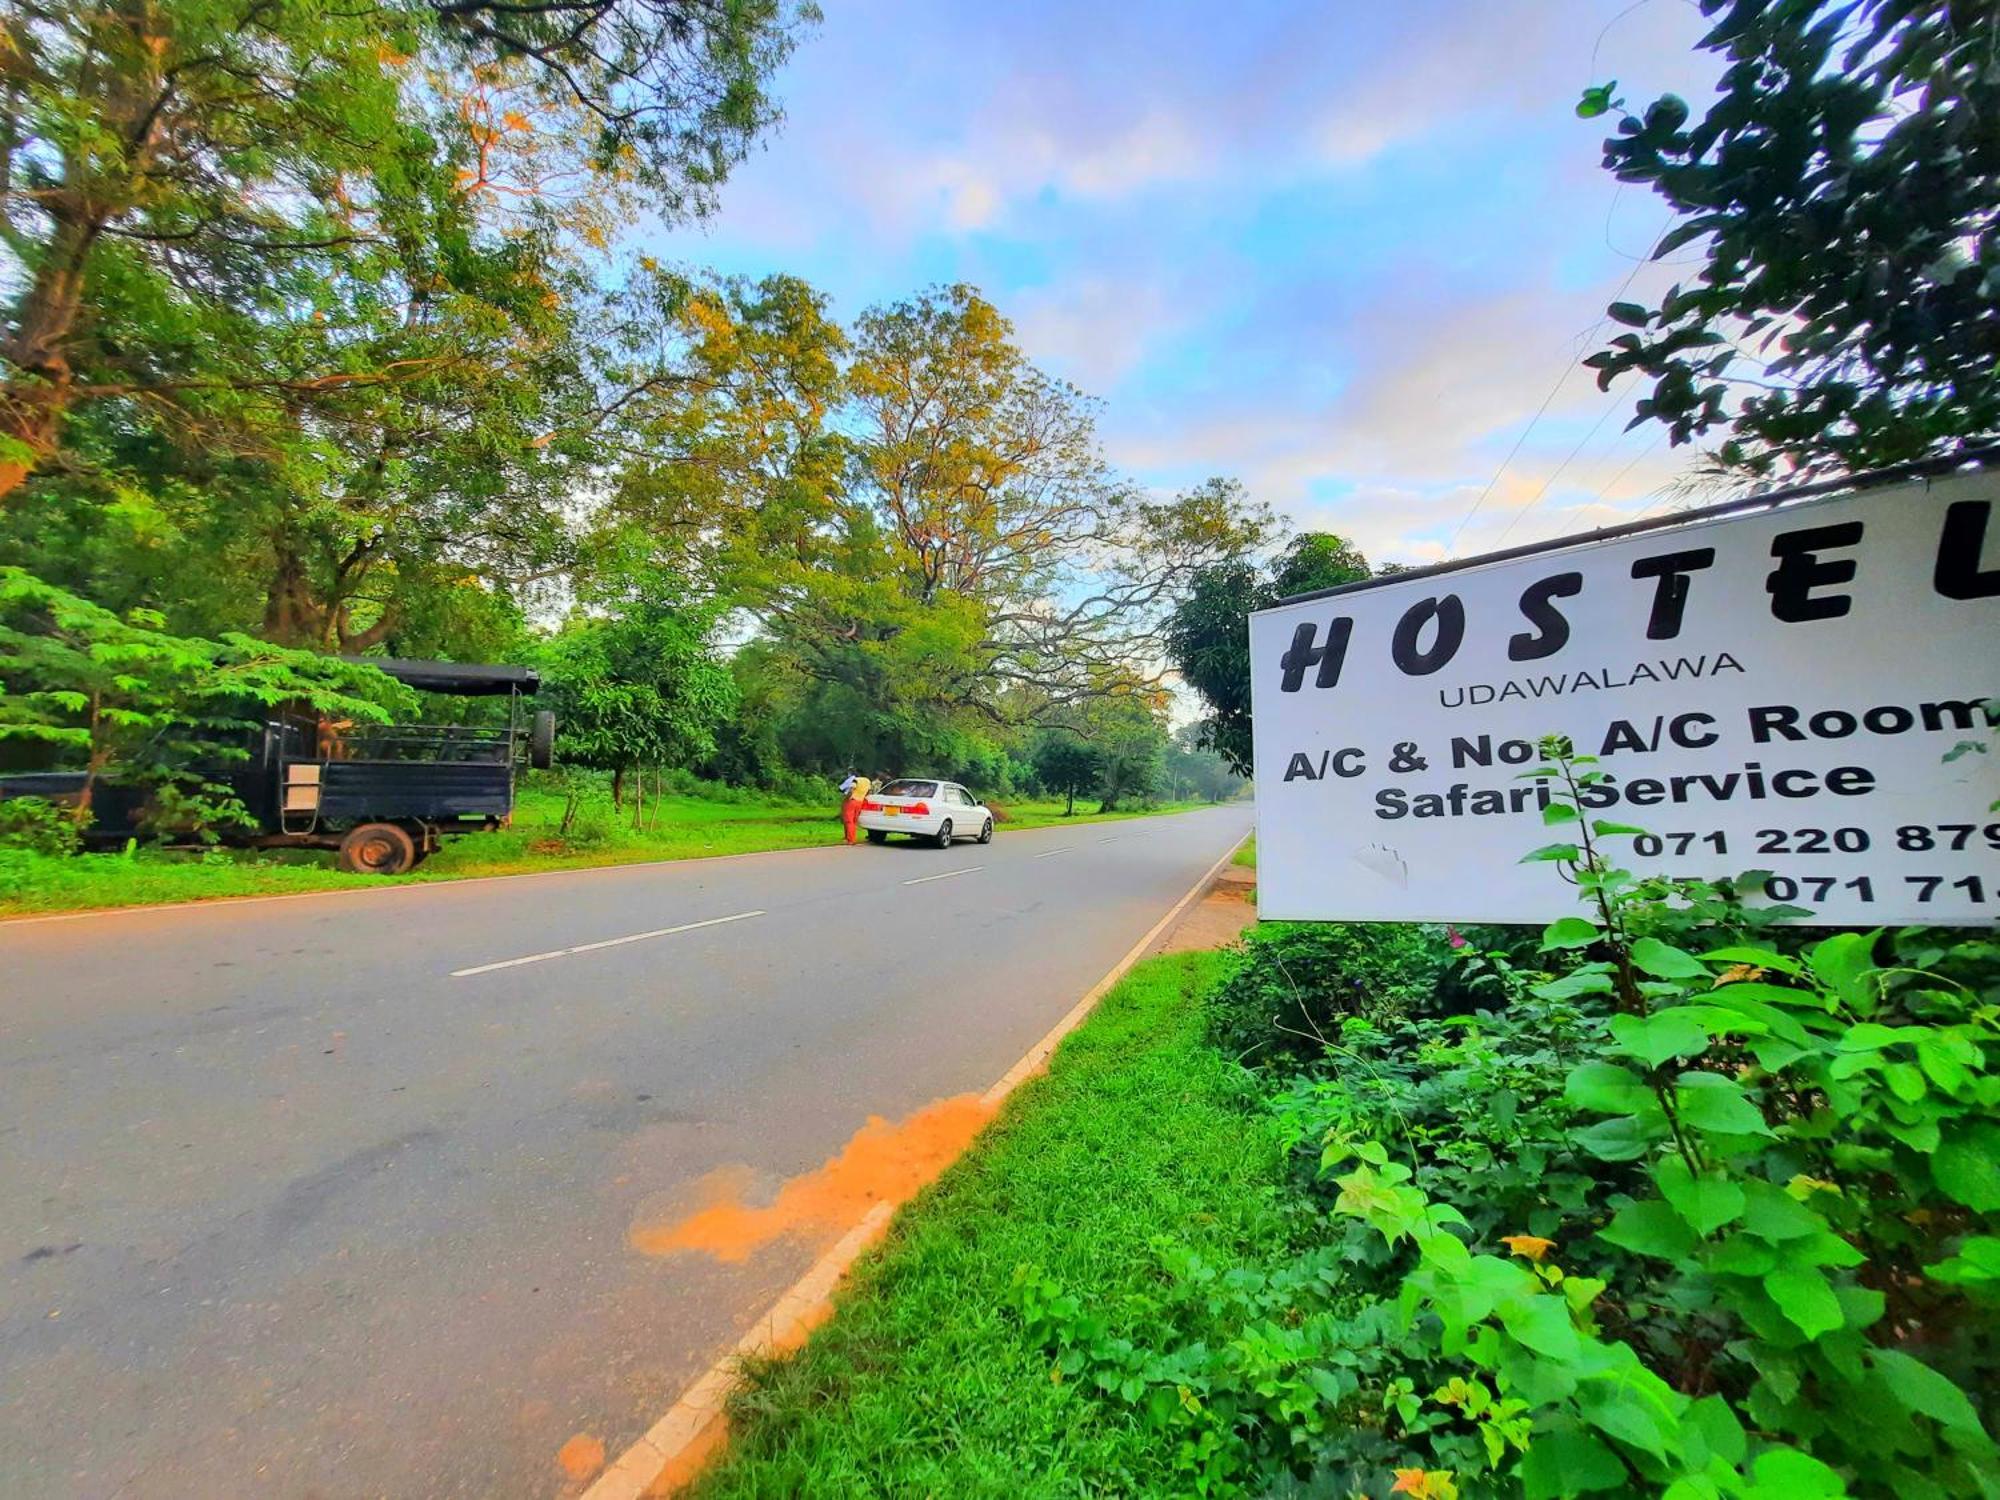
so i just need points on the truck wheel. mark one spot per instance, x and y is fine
(542, 740)
(378, 849)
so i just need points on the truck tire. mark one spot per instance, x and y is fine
(378, 849)
(542, 740)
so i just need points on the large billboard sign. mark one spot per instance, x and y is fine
(1778, 689)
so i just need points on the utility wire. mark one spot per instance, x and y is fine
(1630, 464)
(1589, 337)
(1536, 498)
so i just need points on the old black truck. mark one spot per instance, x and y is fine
(384, 796)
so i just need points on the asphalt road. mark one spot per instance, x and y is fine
(325, 1197)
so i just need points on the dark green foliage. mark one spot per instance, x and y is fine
(1208, 635)
(642, 688)
(1844, 193)
(1686, 1212)
(122, 699)
(1066, 765)
(38, 826)
(1295, 984)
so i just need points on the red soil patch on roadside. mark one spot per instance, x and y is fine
(580, 1457)
(885, 1161)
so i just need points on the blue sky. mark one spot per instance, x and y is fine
(1341, 251)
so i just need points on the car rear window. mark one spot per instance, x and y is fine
(910, 789)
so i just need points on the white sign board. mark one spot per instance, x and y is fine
(1772, 690)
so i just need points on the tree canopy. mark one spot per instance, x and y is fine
(1843, 197)
(250, 218)
(1208, 637)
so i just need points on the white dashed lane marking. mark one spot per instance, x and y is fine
(630, 937)
(947, 875)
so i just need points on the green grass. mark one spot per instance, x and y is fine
(1247, 855)
(678, 826)
(924, 1382)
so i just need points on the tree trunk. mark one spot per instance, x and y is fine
(1070, 810)
(291, 618)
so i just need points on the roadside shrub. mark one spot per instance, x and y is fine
(38, 826)
(1296, 983)
(1693, 1214)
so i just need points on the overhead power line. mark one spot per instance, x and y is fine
(1588, 338)
(1556, 473)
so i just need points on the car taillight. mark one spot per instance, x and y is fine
(871, 807)
(921, 809)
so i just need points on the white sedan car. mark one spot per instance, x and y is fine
(936, 810)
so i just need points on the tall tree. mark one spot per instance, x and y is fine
(916, 511)
(182, 180)
(1208, 638)
(639, 687)
(714, 405)
(1844, 196)
(1066, 764)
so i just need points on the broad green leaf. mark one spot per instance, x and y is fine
(1757, 958)
(1562, 853)
(1771, 1213)
(1663, 1035)
(1664, 961)
(1843, 963)
(1606, 1087)
(1560, 1464)
(1626, 1138)
(1805, 1296)
(1591, 981)
(1569, 932)
(1946, 1058)
(1650, 1227)
(1787, 1474)
(1906, 1081)
(1922, 1389)
(1977, 1263)
(1719, 1107)
(1707, 1202)
(1743, 1255)
(1559, 812)
(1541, 1323)
(1966, 1166)
(1626, 1414)
(1609, 830)
(1721, 1433)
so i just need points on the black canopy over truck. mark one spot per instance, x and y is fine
(383, 795)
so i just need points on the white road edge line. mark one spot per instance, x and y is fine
(948, 874)
(630, 937)
(696, 1425)
(1052, 853)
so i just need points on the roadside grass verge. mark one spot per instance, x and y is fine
(1247, 855)
(925, 1382)
(676, 826)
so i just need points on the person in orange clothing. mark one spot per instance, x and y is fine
(855, 790)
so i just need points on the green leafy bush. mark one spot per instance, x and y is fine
(1296, 982)
(38, 826)
(1694, 1213)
